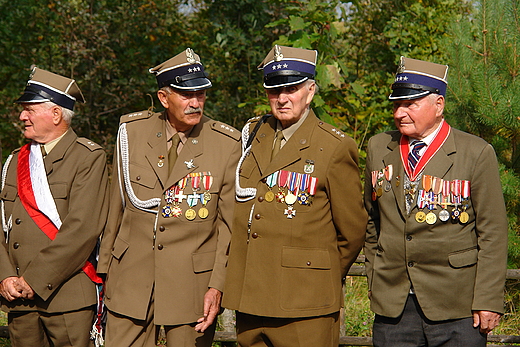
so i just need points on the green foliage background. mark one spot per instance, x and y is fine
(109, 45)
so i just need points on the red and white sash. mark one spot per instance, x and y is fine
(36, 197)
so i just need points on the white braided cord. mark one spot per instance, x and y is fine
(122, 149)
(6, 225)
(244, 194)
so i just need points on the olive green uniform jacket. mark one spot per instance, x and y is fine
(454, 267)
(176, 258)
(78, 180)
(293, 267)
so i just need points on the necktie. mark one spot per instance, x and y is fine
(44, 152)
(413, 156)
(172, 154)
(277, 144)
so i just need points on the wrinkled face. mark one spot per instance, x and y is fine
(288, 104)
(184, 108)
(40, 120)
(418, 118)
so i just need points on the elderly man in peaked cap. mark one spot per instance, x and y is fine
(164, 248)
(299, 220)
(53, 210)
(436, 243)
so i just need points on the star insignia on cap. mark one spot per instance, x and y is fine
(194, 69)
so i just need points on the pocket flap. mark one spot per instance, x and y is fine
(142, 175)
(119, 249)
(306, 258)
(203, 261)
(463, 258)
(59, 190)
(8, 193)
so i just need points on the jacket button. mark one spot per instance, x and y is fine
(159, 246)
(162, 228)
(258, 216)
(18, 221)
(260, 198)
(138, 178)
(16, 245)
(409, 238)
(411, 264)
(309, 263)
(254, 235)
(49, 286)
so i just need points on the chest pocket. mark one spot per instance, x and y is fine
(59, 190)
(9, 193)
(142, 176)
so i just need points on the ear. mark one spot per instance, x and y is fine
(57, 115)
(312, 91)
(163, 98)
(440, 102)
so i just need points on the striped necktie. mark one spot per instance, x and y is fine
(414, 156)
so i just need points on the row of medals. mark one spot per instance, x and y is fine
(301, 183)
(174, 196)
(381, 180)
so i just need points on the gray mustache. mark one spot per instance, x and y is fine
(193, 110)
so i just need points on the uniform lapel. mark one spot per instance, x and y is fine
(157, 149)
(263, 144)
(394, 158)
(189, 157)
(58, 152)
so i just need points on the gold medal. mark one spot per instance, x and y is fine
(269, 196)
(203, 213)
(431, 218)
(379, 192)
(464, 217)
(420, 217)
(190, 214)
(290, 198)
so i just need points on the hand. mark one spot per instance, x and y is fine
(487, 320)
(9, 288)
(25, 288)
(211, 309)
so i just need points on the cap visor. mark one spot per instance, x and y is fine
(31, 98)
(407, 94)
(193, 85)
(283, 81)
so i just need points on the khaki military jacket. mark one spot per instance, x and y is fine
(176, 258)
(454, 267)
(293, 266)
(78, 180)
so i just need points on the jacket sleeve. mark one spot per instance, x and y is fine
(491, 228)
(346, 202)
(81, 227)
(226, 204)
(372, 229)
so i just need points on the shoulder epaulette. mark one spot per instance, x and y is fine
(88, 143)
(135, 116)
(332, 130)
(226, 129)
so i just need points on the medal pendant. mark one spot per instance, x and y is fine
(290, 198)
(444, 215)
(397, 181)
(374, 196)
(176, 211)
(388, 186)
(280, 196)
(431, 218)
(207, 197)
(379, 192)
(190, 214)
(166, 211)
(455, 213)
(304, 198)
(203, 213)
(269, 196)
(420, 217)
(464, 217)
